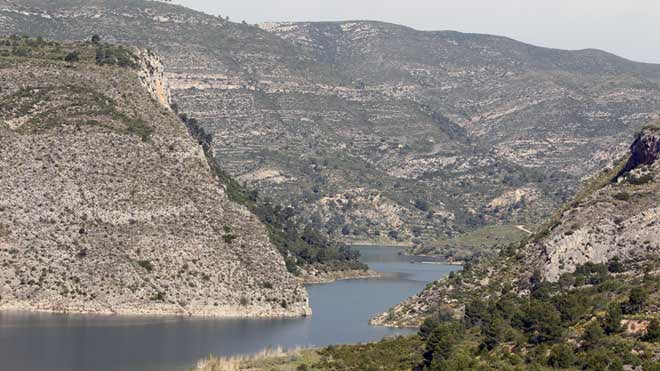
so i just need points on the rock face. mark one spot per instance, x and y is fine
(109, 206)
(307, 112)
(619, 220)
(615, 216)
(151, 72)
(645, 150)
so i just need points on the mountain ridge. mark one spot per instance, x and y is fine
(398, 122)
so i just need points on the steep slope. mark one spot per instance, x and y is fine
(620, 220)
(613, 220)
(109, 206)
(377, 131)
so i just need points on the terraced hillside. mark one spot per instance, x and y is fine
(109, 206)
(374, 131)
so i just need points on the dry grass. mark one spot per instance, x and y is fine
(266, 359)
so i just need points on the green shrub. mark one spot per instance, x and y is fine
(615, 265)
(651, 366)
(612, 321)
(440, 343)
(637, 299)
(229, 238)
(74, 56)
(115, 55)
(622, 196)
(562, 356)
(139, 128)
(146, 264)
(653, 331)
(541, 321)
(422, 205)
(593, 335)
(646, 178)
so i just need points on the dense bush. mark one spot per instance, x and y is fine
(653, 331)
(636, 300)
(146, 264)
(115, 55)
(557, 326)
(74, 56)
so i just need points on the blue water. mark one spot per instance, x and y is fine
(40, 342)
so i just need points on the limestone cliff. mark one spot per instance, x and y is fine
(108, 206)
(151, 72)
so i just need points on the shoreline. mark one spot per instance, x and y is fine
(403, 253)
(456, 263)
(334, 276)
(224, 312)
(367, 243)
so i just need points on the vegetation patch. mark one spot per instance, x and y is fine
(4, 230)
(480, 243)
(115, 55)
(72, 107)
(146, 264)
(17, 47)
(622, 196)
(573, 324)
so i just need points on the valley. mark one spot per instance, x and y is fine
(179, 190)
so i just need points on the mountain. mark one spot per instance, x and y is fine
(613, 222)
(112, 206)
(378, 132)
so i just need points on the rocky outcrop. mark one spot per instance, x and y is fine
(151, 72)
(645, 150)
(621, 219)
(111, 207)
(313, 275)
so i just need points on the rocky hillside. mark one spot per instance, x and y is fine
(111, 206)
(377, 131)
(620, 220)
(612, 223)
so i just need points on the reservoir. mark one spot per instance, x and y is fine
(341, 310)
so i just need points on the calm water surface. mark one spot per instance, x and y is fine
(40, 342)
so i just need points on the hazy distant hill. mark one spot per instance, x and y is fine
(377, 131)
